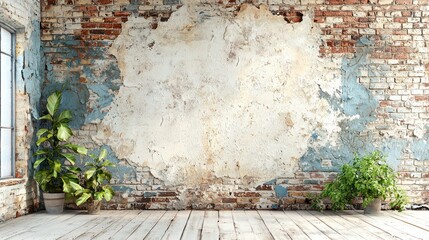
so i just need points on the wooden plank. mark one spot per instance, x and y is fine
(226, 225)
(289, 226)
(56, 229)
(33, 225)
(381, 225)
(365, 226)
(258, 226)
(161, 226)
(147, 225)
(276, 230)
(131, 226)
(242, 225)
(346, 232)
(348, 225)
(309, 229)
(175, 230)
(325, 229)
(210, 226)
(409, 219)
(110, 217)
(194, 226)
(118, 225)
(403, 226)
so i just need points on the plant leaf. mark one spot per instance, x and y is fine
(65, 116)
(41, 132)
(41, 140)
(38, 162)
(46, 117)
(81, 150)
(90, 172)
(103, 154)
(99, 195)
(108, 193)
(70, 157)
(83, 198)
(53, 103)
(64, 132)
(40, 152)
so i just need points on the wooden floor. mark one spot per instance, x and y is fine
(219, 225)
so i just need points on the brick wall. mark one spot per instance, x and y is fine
(76, 36)
(18, 196)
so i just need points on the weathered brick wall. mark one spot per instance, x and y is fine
(18, 196)
(383, 45)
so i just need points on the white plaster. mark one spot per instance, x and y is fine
(208, 95)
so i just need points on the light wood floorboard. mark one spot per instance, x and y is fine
(207, 225)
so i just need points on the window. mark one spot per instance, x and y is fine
(7, 82)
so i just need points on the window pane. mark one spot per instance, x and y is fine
(6, 41)
(6, 91)
(6, 153)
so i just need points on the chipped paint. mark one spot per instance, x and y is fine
(197, 105)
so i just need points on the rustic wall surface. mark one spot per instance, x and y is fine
(233, 104)
(18, 196)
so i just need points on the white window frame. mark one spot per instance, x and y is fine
(9, 163)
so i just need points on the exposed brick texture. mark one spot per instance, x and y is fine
(19, 196)
(399, 54)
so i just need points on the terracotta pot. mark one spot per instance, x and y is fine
(374, 207)
(94, 207)
(54, 202)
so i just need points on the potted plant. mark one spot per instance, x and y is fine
(368, 177)
(54, 170)
(95, 181)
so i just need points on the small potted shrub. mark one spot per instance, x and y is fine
(54, 170)
(368, 177)
(95, 181)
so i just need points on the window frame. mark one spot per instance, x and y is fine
(12, 31)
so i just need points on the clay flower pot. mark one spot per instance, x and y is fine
(374, 207)
(94, 207)
(54, 202)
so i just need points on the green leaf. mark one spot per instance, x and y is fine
(83, 198)
(81, 150)
(90, 172)
(76, 186)
(40, 152)
(99, 195)
(41, 140)
(65, 116)
(38, 162)
(70, 157)
(107, 163)
(53, 103)
(64, 132)
(56, 168)
(41, 132)
(46, 117)
(108, 193)
(103, 154)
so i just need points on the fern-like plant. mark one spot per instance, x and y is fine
(369, 177)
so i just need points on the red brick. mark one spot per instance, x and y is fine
(229, 200)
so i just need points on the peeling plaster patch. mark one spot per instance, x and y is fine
(280, 191)
(420, 149)
(103, 85)
(31, 71)
(196, 103)
(358, 105)
(393, 150)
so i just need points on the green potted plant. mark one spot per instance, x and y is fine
(368, 177)
(95, 181)
(54, 170)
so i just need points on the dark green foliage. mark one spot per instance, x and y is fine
(55, 155)
(368, 177)
(95, 180)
